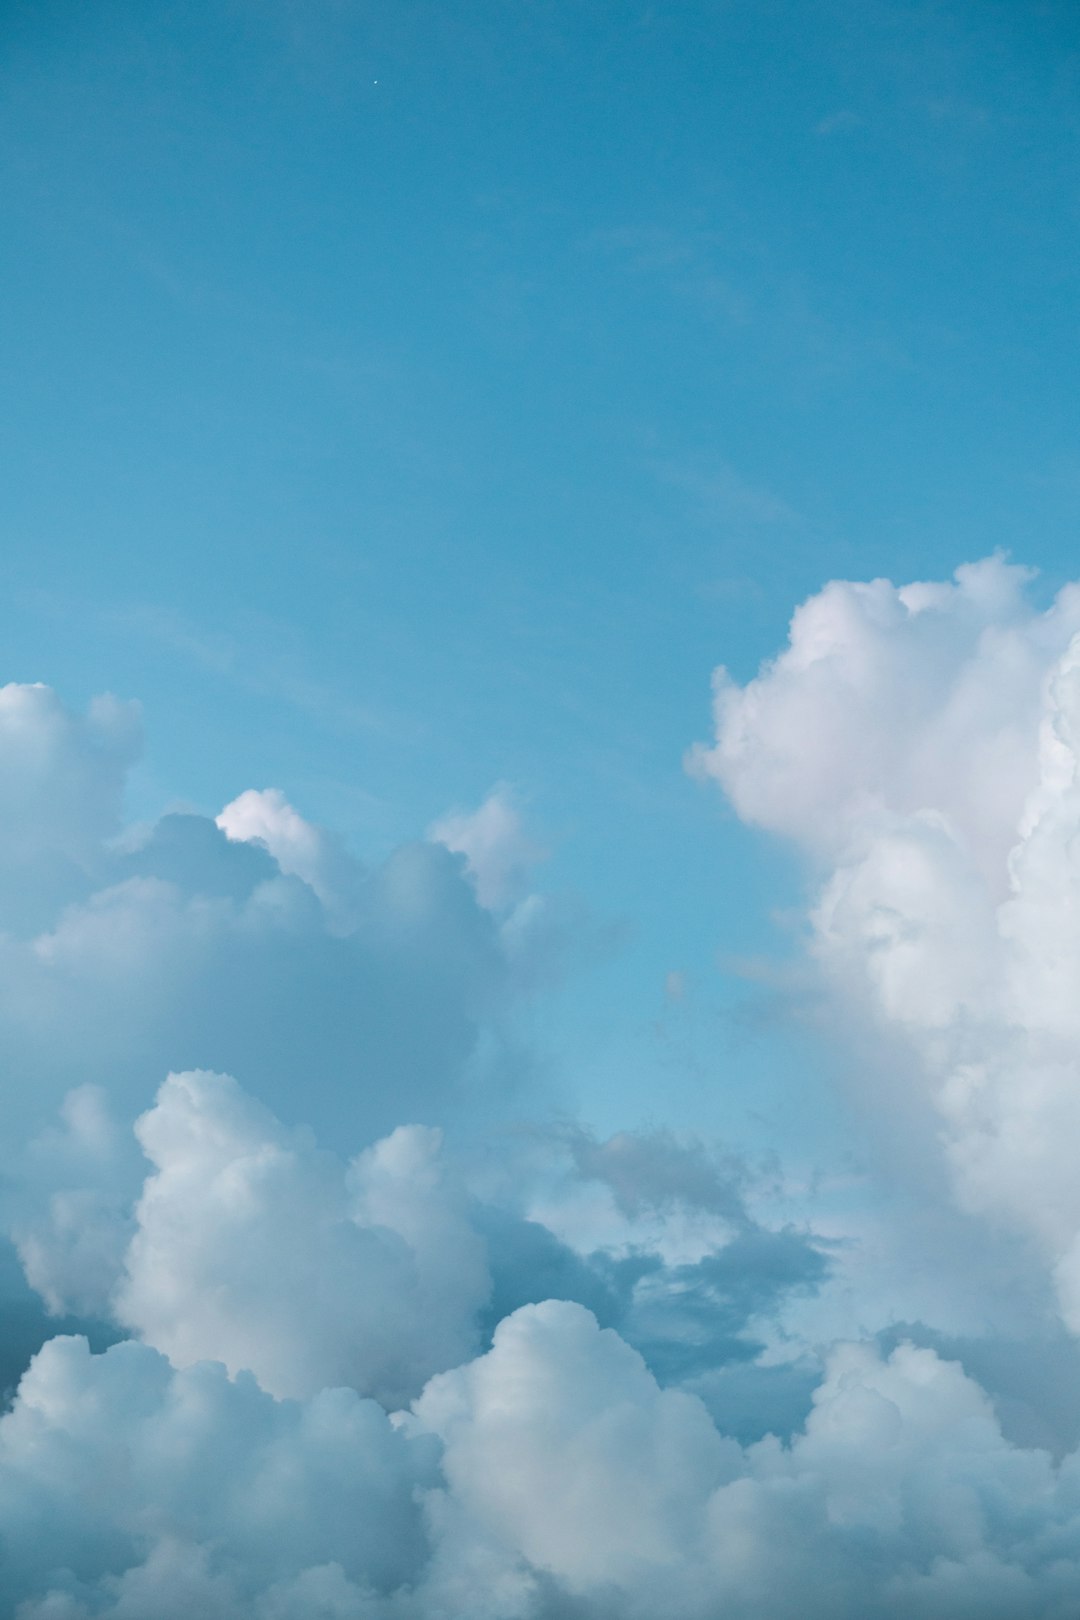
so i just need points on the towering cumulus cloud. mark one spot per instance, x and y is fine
(374, 1356)
(922, 744)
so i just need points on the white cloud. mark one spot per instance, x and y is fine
(921, 744)
(254, 1248)
(551, 1477)
(561, 1447)
(565, 1458)
(893, 700)
(133, 1490)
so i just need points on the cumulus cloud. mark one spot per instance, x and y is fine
(563, 1450)
(891, 700)
(128, 1488)
(564, 1457)
(550, 1477)
(350, 998)
(253, 1248)
(921, 744)
(249, 1245)
(257, 945)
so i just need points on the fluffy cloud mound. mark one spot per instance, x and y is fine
(891, 701)
(255, 944)
(564, 1459)
(922, 744)
(253, 1248)
(550, 1478)
(130, 1489)
(249, 1245)
(562, 1450)
(265, 817)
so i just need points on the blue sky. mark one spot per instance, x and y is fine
(407, 398)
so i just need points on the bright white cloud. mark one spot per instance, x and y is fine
(254, 1248)
(563, 1450)
(889, 701)
(922, 744)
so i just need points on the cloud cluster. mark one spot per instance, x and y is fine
(899, 1497)
(551, 1477)
(256, 945)
(250, 1245)
(352, 999)
(130, 1489)
(380, 1371)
